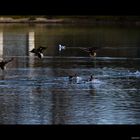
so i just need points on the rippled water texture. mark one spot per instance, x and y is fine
(38, 91)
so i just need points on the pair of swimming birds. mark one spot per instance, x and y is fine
(77, 78)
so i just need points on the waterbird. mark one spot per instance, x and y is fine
(4, 62)
(91, 78)
(75, 78)
(92, 51)
(39, 51)
(71, 77)
(61, 47)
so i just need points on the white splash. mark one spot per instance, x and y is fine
(94, 81)
(78, 79)
(137, 73)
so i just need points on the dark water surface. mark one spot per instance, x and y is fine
(38, 91)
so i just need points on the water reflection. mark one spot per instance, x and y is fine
(34, 91)
(1, 44)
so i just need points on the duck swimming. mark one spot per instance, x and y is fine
(38, 52)
(91, 78)
(4, 62)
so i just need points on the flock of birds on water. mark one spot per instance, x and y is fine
(39, 53)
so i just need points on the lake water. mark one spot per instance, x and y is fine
(38, 91)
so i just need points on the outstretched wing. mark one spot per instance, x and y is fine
(85, 49)
(93, 49)
(4, 62)
(90, 49)
(41, 49)
(33, 51)
(7, 61)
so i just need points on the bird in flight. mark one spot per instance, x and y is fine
(3, 63)
(92, 51)
(39, 51)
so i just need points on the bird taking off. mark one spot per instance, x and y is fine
(92, 51)
(4, 62)
(39, 51)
